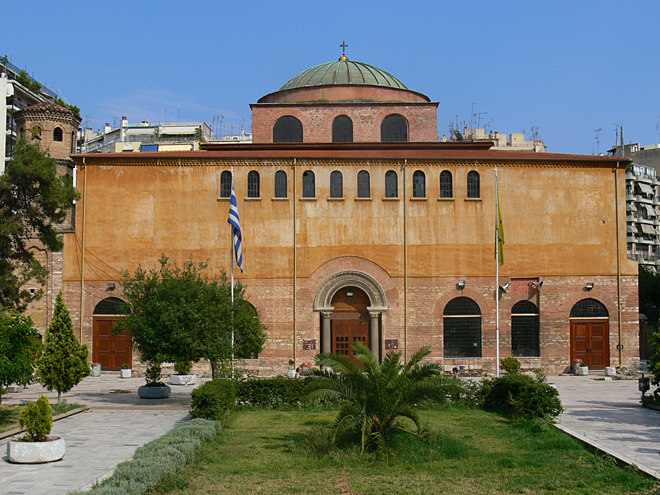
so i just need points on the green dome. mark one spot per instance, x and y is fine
(343, 72)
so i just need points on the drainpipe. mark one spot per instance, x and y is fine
(405, 268)
(82, 267)
(295, 266)
(618, 256)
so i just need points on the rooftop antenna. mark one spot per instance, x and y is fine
(616, 138)
(657, 130)
(597, 131)
(479, 114)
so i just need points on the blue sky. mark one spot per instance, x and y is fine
(565, 67)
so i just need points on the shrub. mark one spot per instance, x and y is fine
(183, 367)
(510, 364)
(271, 392)
(37, 419)
(152, 374)
(520, 397)
(214, 399)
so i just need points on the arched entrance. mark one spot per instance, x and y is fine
(111, 350)
(590, 333)
(349, 320)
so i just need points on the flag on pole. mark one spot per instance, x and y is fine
(500, 233)
(236, 227)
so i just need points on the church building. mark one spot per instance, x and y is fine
(358, 224)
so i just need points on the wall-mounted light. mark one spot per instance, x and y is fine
(460, 285)
(505, 287)
(349, 293)
(111, 286)
(589, 286)
(536, 284)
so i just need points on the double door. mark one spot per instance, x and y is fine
(590, 342)
(111, 350)
(346, 332)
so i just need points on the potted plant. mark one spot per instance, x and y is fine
(36, 446)
(583, 370)
(154, 388)
(96, 369)
(125, 371)
(576, 364)
(292, 369)
(182, 375)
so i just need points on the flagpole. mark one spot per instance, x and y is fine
(231, 231)
(497, 276)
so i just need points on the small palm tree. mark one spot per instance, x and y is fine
(375, 395)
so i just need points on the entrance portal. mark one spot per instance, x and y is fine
(349, 320)
(590, 331)
(111, 350)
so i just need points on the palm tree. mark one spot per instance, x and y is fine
(375, 395)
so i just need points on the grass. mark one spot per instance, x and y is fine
(9, 413)
(472, 451)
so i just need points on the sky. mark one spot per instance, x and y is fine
(562, 68)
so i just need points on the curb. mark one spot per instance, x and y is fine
(16, 431)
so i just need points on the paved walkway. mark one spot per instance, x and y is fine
(608, 415)
(117, 423)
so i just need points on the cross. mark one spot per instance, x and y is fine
(343, 45)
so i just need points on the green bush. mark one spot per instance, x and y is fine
(521, 397)
(214, 399)
(37, 419)
(271, 392)
(183, 367)
(510, 364)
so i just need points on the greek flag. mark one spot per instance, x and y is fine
(236, 227)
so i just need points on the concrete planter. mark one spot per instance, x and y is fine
(96, 370)
(162, 392)
(183, 379)
(125, 373)
(291, 373)
(583, 370)
(35, 452)
(610, 371)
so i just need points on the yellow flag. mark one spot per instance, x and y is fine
(500, 233)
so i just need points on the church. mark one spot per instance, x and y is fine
(358, 224)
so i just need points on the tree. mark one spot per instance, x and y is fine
(649, 296)
(376, 395)
(174, 314)
(63, 363)
(33, 200)
(19, 344)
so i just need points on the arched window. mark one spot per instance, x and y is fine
(473, 185)
(336, 185)
(364, 184)
(57, 134)
(342, 129)
(36, 132)
(309, 186)
(73, 142)
(280, 184)
(253, 184)
(589, 308)
(111, 306)
(419, 184)
(525, 330)
(288, 129)
(462, 328)
(391, 184)
(394, 128)
(446, 188)
(225, 184)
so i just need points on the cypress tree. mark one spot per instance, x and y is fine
(63, 363)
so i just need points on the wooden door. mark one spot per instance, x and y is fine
(112, 351)
(590, 342)
(345, 333)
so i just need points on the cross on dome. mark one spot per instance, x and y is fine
(343, 57)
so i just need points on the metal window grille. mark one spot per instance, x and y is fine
(253, 184)
(225, 184)
(342, 130)
(394, 128)
(364, 184)
(280, 184)
(111, 306)
(462, 328)
(473, 185)
(336, 185)
(309, 186)
(288, 129)
(419, 184)
(446, 189)
(391, 184)
(589, 308)
(57, 134)
(525, 330)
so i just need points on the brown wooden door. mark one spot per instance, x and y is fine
(590, 342)
(345, 333)
(112, 351)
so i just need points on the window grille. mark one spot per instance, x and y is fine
(309, 186)
(288, 129)
(111, 306)
(57, 134)
(473, 185)
(446, 190)
(364, 184)
(280, 184)
(342, 130)
(462, 328)
(225, 184)
(419, 184)
(394, 128)
(391, 184)
(253, 184)
(525, 330)
(336, 185)
(589, 308)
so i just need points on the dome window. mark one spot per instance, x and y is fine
(342, 129)
(288, 129)
(394, 128)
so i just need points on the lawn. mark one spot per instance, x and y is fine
(9, 413)
(282, 452)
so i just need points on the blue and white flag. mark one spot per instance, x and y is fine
(236, 227)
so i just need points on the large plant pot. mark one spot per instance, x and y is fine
(35, 452)
(125, 373)
(161, 392)
(183, 379)
(583, 371)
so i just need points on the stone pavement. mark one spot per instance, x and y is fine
(608, 415)
(117, 423)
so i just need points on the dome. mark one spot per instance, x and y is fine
(343, 72)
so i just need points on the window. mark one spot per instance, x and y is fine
(342, 129)
(525, 330)
(394, 128)
(419, 184)
(462, 328)
(225, 184)
(57, 134)
(336, 185)
(253, 184)
(364, 184)
(280, 184)
(473, 185)
(309, 187)
(446, 190)
(111, 306)
(73, 142)
(391, 184)
(288, 129)
(589, 308)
